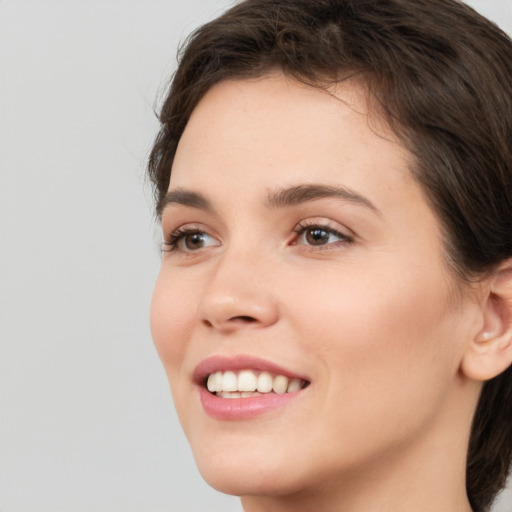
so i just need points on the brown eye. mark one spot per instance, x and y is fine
(194, 241)
(190, 240)
(317, 236)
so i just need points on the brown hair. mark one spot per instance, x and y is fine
(441, 76)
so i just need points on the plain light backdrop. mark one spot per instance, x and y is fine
(86, 417)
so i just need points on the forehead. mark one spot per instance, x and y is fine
(282, 104)
(274, 131)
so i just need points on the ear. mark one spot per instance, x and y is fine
(490, 351)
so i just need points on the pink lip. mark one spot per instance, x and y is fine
(241, 408)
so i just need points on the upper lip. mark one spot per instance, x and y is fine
(239, 362)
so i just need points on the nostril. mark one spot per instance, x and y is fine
(244, 318)
(231, 322)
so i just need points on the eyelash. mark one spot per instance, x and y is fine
(304, 226)
(179, 234)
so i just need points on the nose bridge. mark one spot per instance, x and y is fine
(238, 292)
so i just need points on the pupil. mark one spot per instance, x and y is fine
(194, 241)
(317, 236)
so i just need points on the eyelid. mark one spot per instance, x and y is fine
(345, 235)
(328, 224)
(169, 229)
(176, 236)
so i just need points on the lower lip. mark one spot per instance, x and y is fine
(243, 408)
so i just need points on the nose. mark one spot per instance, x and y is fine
(239, 294)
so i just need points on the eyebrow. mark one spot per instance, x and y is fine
(281, 198)
(299, 194)
(184, 197)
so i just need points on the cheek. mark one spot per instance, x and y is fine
(387, 359)
(383, 341)
(170, 319)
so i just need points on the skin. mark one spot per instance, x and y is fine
(378, 324)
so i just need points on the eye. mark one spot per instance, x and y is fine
(320, 235)
(189, 240)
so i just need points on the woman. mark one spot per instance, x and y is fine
(334, 306)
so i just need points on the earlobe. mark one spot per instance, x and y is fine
(490, 352)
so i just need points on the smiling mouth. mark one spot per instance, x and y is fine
(250, 383)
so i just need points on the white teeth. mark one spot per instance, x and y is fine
(230, 395)
(229, 382)
(218, 381)
(210, 384)
(280, 384)
(247, 394)
(215, 382)
(293, 385)
(247, 383)
(264, 382)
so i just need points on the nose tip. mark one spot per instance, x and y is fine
(230, 306)
(224, 320)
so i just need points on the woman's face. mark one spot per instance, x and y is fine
(299, 246)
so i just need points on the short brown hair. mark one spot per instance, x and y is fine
(441, 76)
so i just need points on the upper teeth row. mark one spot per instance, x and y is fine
(248, 380)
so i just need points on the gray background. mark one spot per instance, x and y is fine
(86, 418)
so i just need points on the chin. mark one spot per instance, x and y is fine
(249, 472)
(241, 481)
